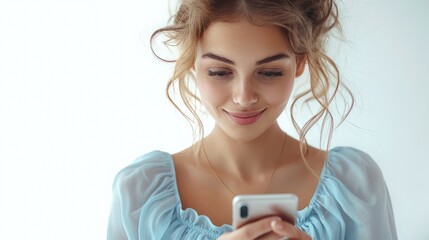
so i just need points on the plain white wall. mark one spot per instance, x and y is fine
(81, 96)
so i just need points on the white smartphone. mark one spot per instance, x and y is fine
(249, 208)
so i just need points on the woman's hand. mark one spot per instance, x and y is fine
(265, 229)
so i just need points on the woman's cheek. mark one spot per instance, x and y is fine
(212, 93)
(279, 95)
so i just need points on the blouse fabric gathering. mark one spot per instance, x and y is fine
(351, 202)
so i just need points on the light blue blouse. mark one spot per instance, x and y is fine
(350, 202)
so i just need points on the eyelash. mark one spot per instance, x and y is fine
(271, 74)
(219, 74)
(223, 74)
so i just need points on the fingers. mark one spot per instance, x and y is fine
(271, 228)
(256, 230)
(288, 230)
(271, 236)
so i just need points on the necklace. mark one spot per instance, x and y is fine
(226, 186)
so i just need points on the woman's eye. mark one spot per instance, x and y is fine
(219, 73)
(270, 74)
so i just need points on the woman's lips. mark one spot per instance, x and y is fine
(245, 118)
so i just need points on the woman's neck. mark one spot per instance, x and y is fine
(245, 159)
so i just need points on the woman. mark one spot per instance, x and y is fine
(243, 57)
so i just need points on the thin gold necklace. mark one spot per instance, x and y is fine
(226, 186)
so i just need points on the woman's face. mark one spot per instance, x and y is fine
(245, 74)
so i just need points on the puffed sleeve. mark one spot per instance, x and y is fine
(132, 187)
(125, 186)
(364, 179)
(352, 200)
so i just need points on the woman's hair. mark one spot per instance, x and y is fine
(305, 23)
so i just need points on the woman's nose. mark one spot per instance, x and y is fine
(244, 93)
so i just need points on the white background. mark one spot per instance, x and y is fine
(81, 96)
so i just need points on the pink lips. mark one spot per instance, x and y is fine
(244, 118)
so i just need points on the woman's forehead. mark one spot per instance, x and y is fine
(243, 36)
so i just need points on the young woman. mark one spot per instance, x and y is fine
(243, 57)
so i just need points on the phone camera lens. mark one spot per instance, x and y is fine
(244, 211)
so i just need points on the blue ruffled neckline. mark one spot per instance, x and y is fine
(190, 215)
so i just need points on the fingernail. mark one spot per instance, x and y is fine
(277, 224)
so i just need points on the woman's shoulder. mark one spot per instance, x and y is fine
(144, 191)
(354, 170)
(145, 171)
(351, 195)
(346, 162)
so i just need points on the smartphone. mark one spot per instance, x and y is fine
(249, 208)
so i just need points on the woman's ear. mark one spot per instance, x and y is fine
(301, 61)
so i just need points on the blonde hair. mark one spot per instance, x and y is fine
(305, 23)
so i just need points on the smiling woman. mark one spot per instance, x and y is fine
(245, 81)
(243, 57)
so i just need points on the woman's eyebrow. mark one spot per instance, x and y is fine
(216, 57)
(272, 58)
(262, 61)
